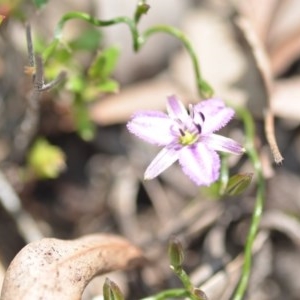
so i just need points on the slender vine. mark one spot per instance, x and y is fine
(138, 40)
(259, 203)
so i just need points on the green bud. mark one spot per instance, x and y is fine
(199, 294)
(142, 9)
(175, 252)
(238, 183)
(111, 291)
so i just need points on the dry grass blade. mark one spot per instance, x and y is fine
(285, 52)
(57, 269)
(265, 71)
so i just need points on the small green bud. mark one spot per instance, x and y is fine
(141, 9)
(199, 294)
(238, 183)
(111, 291)
(175, 252)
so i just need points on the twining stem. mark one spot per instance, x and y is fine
(99, 23)
(138, 40)
(204, 89)
(259, 203)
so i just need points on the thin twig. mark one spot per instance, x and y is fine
(29, 45)
(263, 65)
(57, 80)
(30, 121)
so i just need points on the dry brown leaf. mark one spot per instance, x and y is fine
(56, 269)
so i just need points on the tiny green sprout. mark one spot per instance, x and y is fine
(111, 291)
(176, 254)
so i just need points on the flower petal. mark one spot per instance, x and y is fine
(176, 109)
(152, 126)
(221, 143)
(164, 159)
(200, 163)
(216, 114)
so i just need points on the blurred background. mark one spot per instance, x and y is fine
(69, 167)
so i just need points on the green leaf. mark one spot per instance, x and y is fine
(76, 84)
(88, 40)
(40, 3)
(109, 86)
(50, 49)
(238, 183)
(93, 90)
(85, 127)
(46, 160)
(104, 64)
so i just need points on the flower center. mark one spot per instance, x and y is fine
(187, 138)
(190, 128)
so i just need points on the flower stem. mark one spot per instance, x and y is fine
(96, 22)
(166, 294)
(204, 88)
(259, 203)
(138, 40)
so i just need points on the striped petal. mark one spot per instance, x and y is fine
(176, 109)
(164, 159)
(200, 163)
(221, 143)
(152, 126)
(216, 114)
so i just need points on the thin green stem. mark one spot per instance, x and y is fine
(94, 21)
(204, 89)
(259, 203)
(185, 279)
(99, 23)
(167, 294)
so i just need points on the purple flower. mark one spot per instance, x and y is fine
(187, 137)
